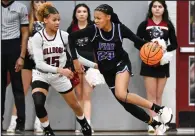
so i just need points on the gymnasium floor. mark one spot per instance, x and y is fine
(69, 133)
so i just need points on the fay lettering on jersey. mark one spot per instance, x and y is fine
(106, 46)
(51, 50)
(106, 51)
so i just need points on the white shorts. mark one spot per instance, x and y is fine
(94, 77)
(58, 82)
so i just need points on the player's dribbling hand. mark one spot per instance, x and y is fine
(78, 66)
(66, 72)
(160, 42)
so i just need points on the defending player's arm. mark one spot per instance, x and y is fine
(38, 55)
(86, 62)
(86, 32)
(83, 61)
(127, 33)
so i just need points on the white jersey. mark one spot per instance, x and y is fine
(49, 52)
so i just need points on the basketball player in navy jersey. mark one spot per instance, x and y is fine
(48, 50)
(113, 62)
(157, 25)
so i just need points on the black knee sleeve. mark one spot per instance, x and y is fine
(39, 101)
(136, 111)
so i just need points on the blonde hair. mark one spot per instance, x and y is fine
(32, 16)
(45, 9)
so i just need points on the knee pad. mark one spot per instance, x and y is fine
(39, 101)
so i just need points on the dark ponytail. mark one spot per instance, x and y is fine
(107, 9)
(115, 19)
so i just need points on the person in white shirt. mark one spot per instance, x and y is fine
(49, 51)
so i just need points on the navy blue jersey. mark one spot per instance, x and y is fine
(107, 45)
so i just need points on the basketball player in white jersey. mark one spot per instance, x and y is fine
(49, 53)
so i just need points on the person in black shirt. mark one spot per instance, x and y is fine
(82, 18)
(14, 35)
(29, 64)
(113, 62)
(156, 25)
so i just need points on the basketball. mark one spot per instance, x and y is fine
(151, 53)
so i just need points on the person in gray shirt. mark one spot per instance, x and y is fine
(14, 36)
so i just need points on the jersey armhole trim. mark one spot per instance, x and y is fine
(62, 39)
(119, 32)
(41, 37)
(95, 33)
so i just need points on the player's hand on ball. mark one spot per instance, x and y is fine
(160, 42)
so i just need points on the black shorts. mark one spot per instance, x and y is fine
(40, 84)
(120, 68)
(157, 72)
(28, 63)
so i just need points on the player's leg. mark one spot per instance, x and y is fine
(122, 80)
(87, 90)
(64, 87)
(29, 64)
(39, 93)
(79, 93)
(40, 88)
(136, 111)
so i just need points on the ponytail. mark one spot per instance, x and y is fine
(45, 9)
(115, 19)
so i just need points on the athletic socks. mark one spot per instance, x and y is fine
(46, 126)
(156, 108)
(154, 123)
(85, 127)
(82, 120)
(81, 117)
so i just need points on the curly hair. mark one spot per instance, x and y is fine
(45, 10)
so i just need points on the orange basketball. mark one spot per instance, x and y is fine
(151, 53)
